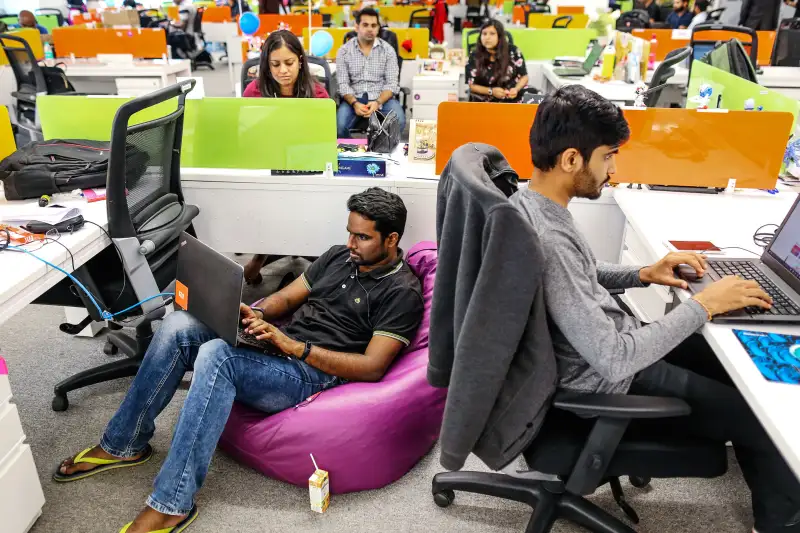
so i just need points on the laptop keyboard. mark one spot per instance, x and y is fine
(249, 340)
(781, 304)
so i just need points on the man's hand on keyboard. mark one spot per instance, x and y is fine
(732, 293)
(247, 314)
(264, 331)
(663, 272)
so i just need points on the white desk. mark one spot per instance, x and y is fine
(617, 91)
(727, 220)
(785, 80)
(23, 279)
(128, 79)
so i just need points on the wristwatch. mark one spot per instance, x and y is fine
(306, 351)
(253, 308)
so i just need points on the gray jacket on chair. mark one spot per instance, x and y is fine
(489, 340)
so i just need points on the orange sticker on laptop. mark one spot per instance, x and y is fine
(181, 295)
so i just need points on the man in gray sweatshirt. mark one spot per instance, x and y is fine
(599, 347)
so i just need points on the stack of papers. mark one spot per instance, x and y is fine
(22, 214)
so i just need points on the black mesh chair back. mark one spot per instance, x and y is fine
(29, 76)
(391, 38)
(562, 22)
(250, 70)
(663, 72)
(786, 52)
(474, 35)
(150, 18)
(701, 47)
(51, 11)
(716, 14)
(143, 188)
(633, 20)
(322, 62)
(349, 35)
(540, 8)
(420, 18)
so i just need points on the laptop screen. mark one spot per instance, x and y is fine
(594, 55)
(785, 247)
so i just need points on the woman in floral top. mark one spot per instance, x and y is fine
(496, 69)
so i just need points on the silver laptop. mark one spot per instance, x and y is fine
(586, 68)
(777, 272)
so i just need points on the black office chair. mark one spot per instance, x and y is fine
(635, 19)
(146, 215)
(562, 22)
(151, 18)
(474, 35)
(477, 11)
(199, 55)
(326, 68)
(786, 51)
(588, 440)
(31, 81)
(664, 72)
(421, 18)
(44, 11)
(250, 69)
(715, 15)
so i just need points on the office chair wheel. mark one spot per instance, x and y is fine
(110, 349)
(60, 403)
(445, 498)
(639, 482)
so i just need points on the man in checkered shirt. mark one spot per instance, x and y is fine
(368, 75)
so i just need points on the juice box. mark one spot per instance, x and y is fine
(319, 491)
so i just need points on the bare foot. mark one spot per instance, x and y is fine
(151, 520)
(69, 467)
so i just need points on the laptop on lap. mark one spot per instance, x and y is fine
(777, 272)
(209, 286)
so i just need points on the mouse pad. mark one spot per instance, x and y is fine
(775, 355)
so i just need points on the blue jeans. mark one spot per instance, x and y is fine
(222, 373)
(346, 116)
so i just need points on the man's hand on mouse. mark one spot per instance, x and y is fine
(663, 272)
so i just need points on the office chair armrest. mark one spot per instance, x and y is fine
(620, 405)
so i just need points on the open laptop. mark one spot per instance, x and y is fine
(777, 272)
(209, 286)
(586, 68)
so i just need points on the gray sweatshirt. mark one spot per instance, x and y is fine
(598, 347)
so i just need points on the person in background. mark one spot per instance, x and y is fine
(234, 5)
(184, 19)
(269, 7)
(368, 75)
(653, 10)
(700, 11)
(496, 70)
(681, 17)
(28, 20)
(78, 5)
(599, 347)
(283, 73)
(760, 14)
(350, 314)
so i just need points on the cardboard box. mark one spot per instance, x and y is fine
(125, 17)
(366, 166)
(319, 491)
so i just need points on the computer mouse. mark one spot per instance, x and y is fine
(685, 272)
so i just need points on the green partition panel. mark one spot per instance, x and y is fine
(48, 21)
(508, 7)
(249, 133)
(735, 91)
(545, 44)
(625, 5)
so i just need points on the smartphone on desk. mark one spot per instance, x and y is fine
(699, 247)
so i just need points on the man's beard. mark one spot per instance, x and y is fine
(585, 185)
(362, 262)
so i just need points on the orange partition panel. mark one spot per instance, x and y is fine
(296, 23)
(217, 14)
(147, 43)
(86, 18)
(667, 146)
(570, 10)
(666, 44)
(518, 15)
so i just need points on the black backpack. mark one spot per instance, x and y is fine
(55, 80)
(62, 165)
(731, 57)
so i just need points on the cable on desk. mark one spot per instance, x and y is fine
(764, 239)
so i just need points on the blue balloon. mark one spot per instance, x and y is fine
(321, 43)
(249, 23)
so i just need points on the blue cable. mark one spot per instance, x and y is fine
(107, 315)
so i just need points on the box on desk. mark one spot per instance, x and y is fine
(361, 166)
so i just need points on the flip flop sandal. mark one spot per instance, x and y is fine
(175, 529)
(103, 465)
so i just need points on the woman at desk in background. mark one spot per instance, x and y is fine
(283, 73)
(496, 70)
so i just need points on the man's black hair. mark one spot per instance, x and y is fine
(702, 4)
(367, 12)
(384, 208)
(574, 117)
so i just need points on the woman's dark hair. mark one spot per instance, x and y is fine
(269, 86)
(384, 208)
(483, 58)
(574, 117)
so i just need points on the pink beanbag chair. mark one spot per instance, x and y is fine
(366, 435)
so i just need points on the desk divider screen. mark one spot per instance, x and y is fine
(667, 146)
(545, 20)
(34, 40)
(420, 40)
(142, 43)
(394, 14)
(545, 44)
(570, 10)
(667, 43)
(735, 91)
(246, 133)
(296, 23)
(48, 21)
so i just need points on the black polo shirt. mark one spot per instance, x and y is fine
(346, 308)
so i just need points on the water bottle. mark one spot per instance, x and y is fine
(48, 51)
(651, 61)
